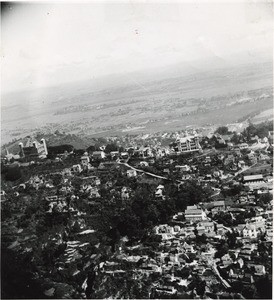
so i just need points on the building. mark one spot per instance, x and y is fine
(98, 155)
(143, 164)
(33, 149)
(193, 213)
(76, 168)
(144, 152)
(242, 146)
(253, 179)
(184, 168)
(207, 225)
(187, 144)
(270, 136)
(10, 156)
(250, 231)
(85, 159)
(220, 205)
(124, 155)
(131, 173)
(159, 191)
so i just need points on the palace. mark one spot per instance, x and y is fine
(33, 149)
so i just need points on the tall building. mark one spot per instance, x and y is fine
(189, 143)
(33, 149)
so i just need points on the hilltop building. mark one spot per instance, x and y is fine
(189, 143)
(33, 149)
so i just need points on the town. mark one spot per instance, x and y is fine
(183, 215)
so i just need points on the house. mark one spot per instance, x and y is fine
(259, 270)
(250, 231)
(200, 229)
(188, 248)
(241, 164)
(124, 155)
(208, 226)
(36, 182)
(186, 177)
(85, 160)
(252, 157)
(131, 173)
(227, 137)
(66, 172)
(93, 192)
(221, 229)
(114, 154)
(184, 168)
(164, 228)
(259, 222)
(161, 152)
(77, 168)
(145, 152)
(218, 141)
(58, 206)
(166, 171)
(245, 254)
(263, 156)
(229, 159)
(242, 146)
(165, 290)
(269, 214)
(269, 234)
(98, 155)
(217, 174)
(159, 194)
(218, 206)
(226, 260)
(143, 164)
(52, 198)
(193, 213)
(187, 231)
(125, 193)
(207, 159)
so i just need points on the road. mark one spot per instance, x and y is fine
(142, 171)
(224, 282)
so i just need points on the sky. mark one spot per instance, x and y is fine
(50, 43)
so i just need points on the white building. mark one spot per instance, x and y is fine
(131, 173)
(99, 154)
(193, 213)
(187, 144)
(250, 231)
(33, 149)
(85, 159)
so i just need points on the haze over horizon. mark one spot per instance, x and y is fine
(47, 44)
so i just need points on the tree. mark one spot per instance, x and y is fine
(201, 239)
(111, 147)
(222, 249)
(236, 138)
(237, 286)
(13, 173)
(231, 238)
(222, 130)
(91, 148)
(265, 199)
(198, 284)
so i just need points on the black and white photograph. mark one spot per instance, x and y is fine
(137, 149)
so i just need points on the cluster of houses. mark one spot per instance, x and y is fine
(190, 242)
